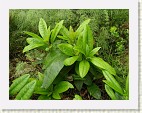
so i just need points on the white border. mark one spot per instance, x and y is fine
(5, 103)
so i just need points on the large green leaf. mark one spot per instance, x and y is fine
(70, 61)
(103, 65)
(64, 31)
(18, 84)
(83, 68)
(44, 32)
(53, 66)
(27, 91)
(111, 81)
(67, 49)
(110, 92)
(56, 30)
(33, 43)
(94, 91)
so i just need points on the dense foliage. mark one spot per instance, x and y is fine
(69, 54)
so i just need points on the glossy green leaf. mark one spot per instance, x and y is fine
(77, 97)
(94, 51)
(56, 30)
(56, 95)
(83, 68)
(62, 86)
(33, 43)
(94, 91)
(66, 49)
(44, 32)
(71, 34)
(103, 65)
(64, 31)
(87, 38)
(18, 84)
(27, 91)
(82, 25)
(33, 35)
(53, 67)
(111, 81)
(69, 61)
(110, 92)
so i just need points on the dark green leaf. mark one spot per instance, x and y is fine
(94, 91)
(78, 84)
(53, 67)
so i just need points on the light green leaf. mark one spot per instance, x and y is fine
(70, 61)
(103, 65)
(43, 30)
(110, 92)
(77, 97)
(94, 91)
(94, 51)
(56, 31)
(82, 25)
(33, 43)
(64, 31)
(83, 68)
(56, 95)
(111, 81)
(66, 48)
(18, 84)
(62, 86)
(27, 91)
(33, 35)
(53, 67)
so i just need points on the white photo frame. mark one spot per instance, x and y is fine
(132, 103)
